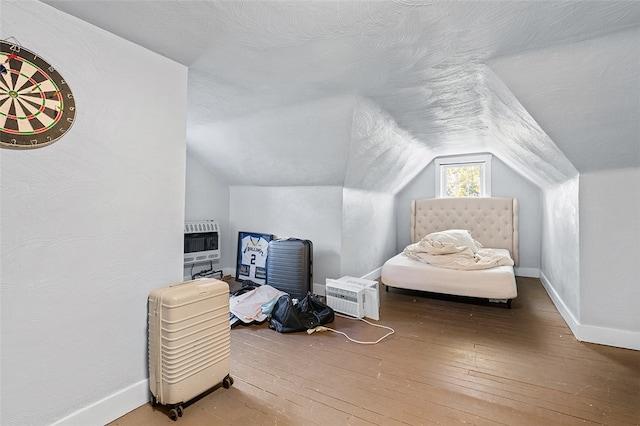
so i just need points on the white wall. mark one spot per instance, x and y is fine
(590, 262)
(307, 212)
(207, 197)
(560, 263)
(505, 183)
(89, 226)
(610, 256)
(368, 226)
(570, 92)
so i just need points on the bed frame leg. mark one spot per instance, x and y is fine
(509, 303)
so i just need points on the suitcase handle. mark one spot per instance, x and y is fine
(203, 290)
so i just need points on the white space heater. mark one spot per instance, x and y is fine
(346, 298)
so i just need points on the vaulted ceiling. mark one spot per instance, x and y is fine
(365, 93)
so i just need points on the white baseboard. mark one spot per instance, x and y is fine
(109, 408)
(609, 336)
(562, 308)
(591, 333)
(373, 275)
(527, 272)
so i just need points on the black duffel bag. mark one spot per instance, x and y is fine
(308, 313)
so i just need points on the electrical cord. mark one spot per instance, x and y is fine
(206, 272)
(322, 328)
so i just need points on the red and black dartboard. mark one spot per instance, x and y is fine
(36, 104)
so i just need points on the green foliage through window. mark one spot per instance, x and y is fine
(462, 181)
(463, 176)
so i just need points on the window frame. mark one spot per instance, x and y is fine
(483, 160)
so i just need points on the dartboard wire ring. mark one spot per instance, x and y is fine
(37, 106)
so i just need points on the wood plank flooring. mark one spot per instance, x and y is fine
(449, 362)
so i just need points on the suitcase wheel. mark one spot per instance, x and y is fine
(174, 413)
(227, 382)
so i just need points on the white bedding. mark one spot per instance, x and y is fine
(493, 283)
(462, 260)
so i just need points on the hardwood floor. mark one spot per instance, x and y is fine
(449, 362)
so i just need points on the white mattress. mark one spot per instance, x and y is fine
(494, 283)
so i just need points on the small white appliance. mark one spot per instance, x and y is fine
(345, 298)
(201, 241)
(371, 298)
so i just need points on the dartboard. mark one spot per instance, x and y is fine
(36, 103)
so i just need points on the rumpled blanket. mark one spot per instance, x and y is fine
(464, 259)
(254, 305)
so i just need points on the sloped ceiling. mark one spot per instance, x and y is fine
(586, 96)
(365, 93)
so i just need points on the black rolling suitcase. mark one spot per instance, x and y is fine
(290, 266)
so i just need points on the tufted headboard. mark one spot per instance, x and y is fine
(492, 221)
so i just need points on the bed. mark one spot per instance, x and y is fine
(493, 222)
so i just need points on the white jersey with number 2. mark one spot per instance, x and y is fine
(254, 253)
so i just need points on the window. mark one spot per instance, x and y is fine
(468, 176)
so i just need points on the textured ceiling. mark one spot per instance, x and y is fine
(363, 93)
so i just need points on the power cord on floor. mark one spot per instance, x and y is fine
(322, 328)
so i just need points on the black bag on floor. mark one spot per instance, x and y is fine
(310, 312)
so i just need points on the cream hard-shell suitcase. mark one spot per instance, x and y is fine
(189, 342)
